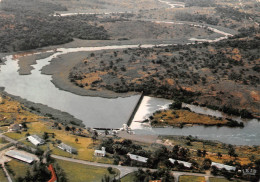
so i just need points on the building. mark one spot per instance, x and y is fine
(137, 158)
(100, 153)
(221, 166)
(19, 156)
(186, 164)
(15, 127)
(35, 140)
(67, 148)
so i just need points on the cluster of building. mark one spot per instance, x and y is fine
(36, 140)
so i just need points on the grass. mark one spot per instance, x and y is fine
(11, 110)
(18, 168)
(191, 179)
(15, 136)
(2, 176)
(128, 178)
(80, 173)
(221, 180)
(84, 146)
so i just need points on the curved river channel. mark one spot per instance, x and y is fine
(113, 113)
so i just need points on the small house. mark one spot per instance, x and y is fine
(185, 164)
(137, 158)
(35, 140)
(100, 153)
(221, 166)
(15, 127)
(67, 148)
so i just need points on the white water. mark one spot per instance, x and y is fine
(148, 106)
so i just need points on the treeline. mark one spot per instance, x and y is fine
(244, 113)
(30, 26)
(197, 18)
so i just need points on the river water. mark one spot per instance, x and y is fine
(113, 113)
(249, 135)
(36, 87)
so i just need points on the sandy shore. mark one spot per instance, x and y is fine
(26, 62)
(60, 67)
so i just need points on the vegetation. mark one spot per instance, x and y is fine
(191, 179)
(183, 117)
(80, 173)
(129, 178)
(16, 168)
(146, 176)
(2, 176)
(28, 25)
(11, 111)
(220, 74)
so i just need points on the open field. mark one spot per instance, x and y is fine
(11, 111)
(17, 168)
(80, 173)
(2, 176)
(191, 179)
(128, 178)
(223, 180)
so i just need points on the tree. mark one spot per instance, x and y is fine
(199, 153)
(45, 136)
(219, 155)
(206, 164)
(106, 178)
(94, 138)
(231, 151)
(204, 153)
(106, 132)
(76, 140)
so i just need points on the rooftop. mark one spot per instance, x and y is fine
(20, 156)
(36, 140)
(220, 166)
(186, 164)
(137, 158)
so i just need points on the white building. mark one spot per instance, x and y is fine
(100, 153)
(20, 156)
(36, 140)
(137, 158)
(221, 166)
(186, 164)
(67, 148)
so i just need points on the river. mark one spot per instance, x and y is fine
(113, 113)
(249, 135)
(36, 87)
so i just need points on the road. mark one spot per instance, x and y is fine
(124, 170)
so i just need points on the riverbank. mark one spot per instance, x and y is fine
(44, 110)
